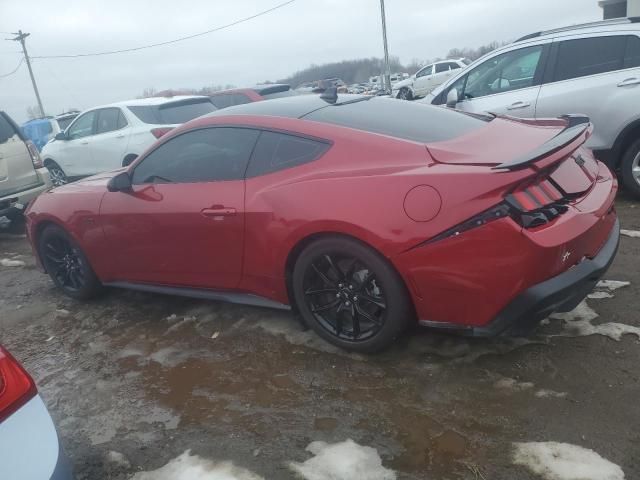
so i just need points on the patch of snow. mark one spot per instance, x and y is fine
(550, 394)
(194, 467)
(342, 461)
(61, 312)
(612, 284)
(118, 459)
(630, 233)
(577, 323)
(512, 384)
(599, 295)
(563, 461)
(5, 262)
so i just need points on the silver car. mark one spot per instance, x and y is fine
(29, 447)
(591, 69)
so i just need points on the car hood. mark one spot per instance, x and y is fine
(503, 139)
(403, 83)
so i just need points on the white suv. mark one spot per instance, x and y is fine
(111, 136)
(22, 175)
(427, 78)
(591, 69)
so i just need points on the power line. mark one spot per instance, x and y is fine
(143, 47)
(14, 70)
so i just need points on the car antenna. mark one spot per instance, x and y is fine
(330, 95)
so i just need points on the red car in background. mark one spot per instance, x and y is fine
(364, 214)
(240, 96)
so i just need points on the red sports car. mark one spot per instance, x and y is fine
(363, 214)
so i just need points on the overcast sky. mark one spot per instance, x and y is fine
(269, 47)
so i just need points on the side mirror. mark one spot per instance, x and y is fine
(452, 98)
(60, 136)
(120, 183)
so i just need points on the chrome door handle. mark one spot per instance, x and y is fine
(629, 81)
(119, 136)
(84, 143)
(518, 105)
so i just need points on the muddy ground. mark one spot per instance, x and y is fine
(151, 376)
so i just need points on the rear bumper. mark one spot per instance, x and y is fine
(561, 293)
(15, 202)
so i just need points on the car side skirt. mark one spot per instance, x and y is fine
(205, 294)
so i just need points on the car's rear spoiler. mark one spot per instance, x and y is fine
(576, 125)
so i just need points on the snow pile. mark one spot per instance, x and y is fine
(630, 233)
(512, 384)
(562, 461)
(599, 295)
(612, 284)
(193, 467)
(5, 262)
(544, 393)
(342, 461)
(577, 323)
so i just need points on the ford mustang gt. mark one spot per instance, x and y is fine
(365, 215)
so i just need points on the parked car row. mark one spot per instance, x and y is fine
(42, 130)
(427, 78)
(593, 69)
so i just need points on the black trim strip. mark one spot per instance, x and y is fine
(217, 295)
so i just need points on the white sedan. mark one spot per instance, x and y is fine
(427, 78)
(112, 136)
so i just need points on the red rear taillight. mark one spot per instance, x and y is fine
(16, 385)
(35, 155)
(158, 132)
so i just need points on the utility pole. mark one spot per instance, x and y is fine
(387, 68)
(20, 38)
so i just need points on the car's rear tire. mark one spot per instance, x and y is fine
(66, 264)
(350, 295)
(58, 177)
(405, 94)
(630, 168)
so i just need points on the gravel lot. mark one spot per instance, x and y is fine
(150, 376)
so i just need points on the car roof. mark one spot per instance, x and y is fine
(617, 24)
(265, 89)
(402, 120)
(150, 101)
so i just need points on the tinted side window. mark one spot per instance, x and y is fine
(6, 129)
(425, 71)
(453, 66)
(222, 101)
(503, 73)
(442, 67)
(240, 99)
(206, 155)
(108, 119)
(122, 122)
(277, 151)
(589, 56)
(632, 55)
(83, 126)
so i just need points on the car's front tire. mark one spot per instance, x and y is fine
(630, 168)
(66, 264)
(350, 295)
(57, 175)
(405, 94)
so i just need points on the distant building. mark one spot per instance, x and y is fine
(620, 8)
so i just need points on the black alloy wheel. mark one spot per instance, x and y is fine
(66, 264)
(350, 295)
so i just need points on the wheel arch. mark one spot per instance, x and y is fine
(37, 233)
(625, 138)
(302, 243)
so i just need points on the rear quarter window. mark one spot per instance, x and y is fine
(409, 121)
(172, 113)
(278, 151)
